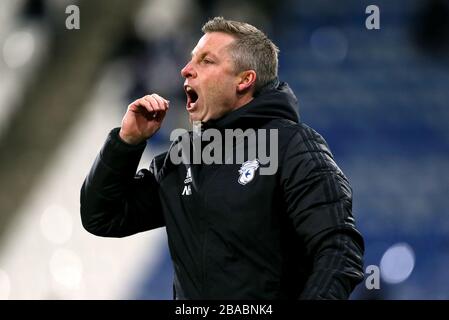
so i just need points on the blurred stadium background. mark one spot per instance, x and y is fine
(380, 98)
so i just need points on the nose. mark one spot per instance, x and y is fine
(188, 71)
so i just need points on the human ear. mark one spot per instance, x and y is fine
(246, 79)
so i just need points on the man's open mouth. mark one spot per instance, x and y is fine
(192, 97)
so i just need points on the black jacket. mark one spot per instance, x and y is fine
(284, 236)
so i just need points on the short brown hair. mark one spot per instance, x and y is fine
(251, 50)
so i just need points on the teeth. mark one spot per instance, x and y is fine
(192, 96)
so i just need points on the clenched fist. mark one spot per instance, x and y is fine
(143, 118)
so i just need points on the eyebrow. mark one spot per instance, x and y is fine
(207, 53)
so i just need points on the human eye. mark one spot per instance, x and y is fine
(207, 61)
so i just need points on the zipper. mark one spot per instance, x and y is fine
(203, 266)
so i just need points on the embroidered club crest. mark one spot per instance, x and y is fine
(247, 171)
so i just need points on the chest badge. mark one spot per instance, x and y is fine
(247, 171)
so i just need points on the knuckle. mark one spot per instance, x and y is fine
(158, 97)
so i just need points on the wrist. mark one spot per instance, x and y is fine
(129, 139)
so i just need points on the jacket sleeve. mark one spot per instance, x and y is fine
(115, 201)
(319, 204)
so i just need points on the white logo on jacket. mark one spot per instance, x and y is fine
(247, 171)
(187, 191)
